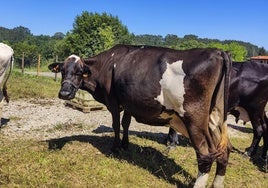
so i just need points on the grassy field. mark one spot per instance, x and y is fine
(31, 86)
(86, 161)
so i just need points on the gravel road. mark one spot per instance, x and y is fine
(43, 119)
(50, 118)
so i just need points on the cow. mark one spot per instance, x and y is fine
(6, 65)
(186, 90)
(247, 100)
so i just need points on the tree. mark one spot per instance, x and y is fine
(14, 35)
(171, 41)
(93, 33)
(58, 36)
(152, 40)
(262, 51)
(238, 52)
(30, 53)
(189, 43)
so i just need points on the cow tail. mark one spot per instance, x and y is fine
(227, 65)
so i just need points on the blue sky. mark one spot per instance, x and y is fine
(226, 19)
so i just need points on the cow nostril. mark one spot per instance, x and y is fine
(64, 93)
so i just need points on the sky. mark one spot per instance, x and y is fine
(241, 20)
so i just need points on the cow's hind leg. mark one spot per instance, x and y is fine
(265, 139)
(222, 162)
(204, 160)
(126, 119)
(257, 135)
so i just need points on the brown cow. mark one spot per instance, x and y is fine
(159, 86)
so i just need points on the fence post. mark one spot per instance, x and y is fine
(38, 64)
(56, 74)
(22, 63)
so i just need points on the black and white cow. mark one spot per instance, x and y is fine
(6, 65)
(186, 90)
(247, 100)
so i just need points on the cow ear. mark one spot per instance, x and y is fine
(90, 61)
(55, 67)
(86, 71)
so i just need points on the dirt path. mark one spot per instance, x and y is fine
(43, 119)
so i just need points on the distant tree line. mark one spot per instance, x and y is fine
(93, 33)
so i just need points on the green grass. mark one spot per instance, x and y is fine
(85, 161)
(31, 86)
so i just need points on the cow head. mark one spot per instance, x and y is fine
(73, 72)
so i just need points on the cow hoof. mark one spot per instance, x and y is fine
(171, 147)
(172, 144)
(246, 155)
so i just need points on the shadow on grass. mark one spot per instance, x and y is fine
(160, 138)
(147, 158)
(257, 160)
(241, 128)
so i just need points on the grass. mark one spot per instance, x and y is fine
(86, 161)
(30, 86)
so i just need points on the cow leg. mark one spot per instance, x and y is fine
(265, 139)
(126, 119)
(257, 134)
(222, 163)
(210, 145)
(204, 161)
(116, 126)
(172, 138)
(265, 146)
(201, 145)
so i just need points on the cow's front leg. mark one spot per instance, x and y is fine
(125, 124)
(116, 126)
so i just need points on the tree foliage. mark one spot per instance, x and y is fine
(14, 35)
(93, 33)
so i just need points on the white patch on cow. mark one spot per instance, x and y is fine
(218, 181)
(77, 58)
(172, 88)
(6, 52)
(114, 65)
(201, 180)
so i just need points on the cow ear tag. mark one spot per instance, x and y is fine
(85, 75)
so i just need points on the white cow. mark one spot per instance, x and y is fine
(6, 65)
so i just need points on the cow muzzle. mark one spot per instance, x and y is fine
(68, 90)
